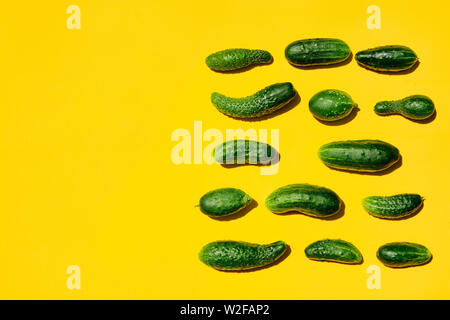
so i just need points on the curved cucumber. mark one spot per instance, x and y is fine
(308, 199)
(261, 103)
(387, 58)
(415, 107)
(334, 251)
(403, 254)
(331, 105)
(237, 255)
(318, 51)
(393, 207)
(359, 155)
(232, 59)
(245, 152)
(224, 202)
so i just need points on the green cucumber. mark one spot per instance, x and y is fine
(331, 105)
(393, 207)
(233, 59)
(334, 251)
(403, 254)
(224, 202)
(237, 255)
(304, 198)
(359, 155)
(261, 103)
(416, 107)
(245, 152)
(318, 51)
(387, 58)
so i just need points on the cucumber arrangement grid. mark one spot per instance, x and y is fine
(357, 155)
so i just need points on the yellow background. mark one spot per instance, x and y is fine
(86, 173)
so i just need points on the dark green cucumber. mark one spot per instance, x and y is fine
(232, 59)
(318, 51)
(387, 58)
(359, 155)
(393, 207)
(224, 202)
(331, 105)
(261, 103)
(308, 199)
(245, 152)
(334, 251)
(403, 254)
(237, 255)
(415, 107)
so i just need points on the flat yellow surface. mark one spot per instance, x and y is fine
(87, 177)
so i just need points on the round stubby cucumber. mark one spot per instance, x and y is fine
(318, 51)
(245, 152)
(305, 198)
(416, 107)
(393, 207)
(224, 202)
(261, 103)
(232, 59)
(359, 155)
(331, 105)
(334, 251)
(403, 254)
(237, 255)
(387, 58)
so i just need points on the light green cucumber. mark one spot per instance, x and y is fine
(403, 254)
(416, 107)
(334, 251)
(223, 202)
(393, 207)
(263, 102)
(359, 155)
(238, 255)
(331, 105)
(304, 198)
(245, 152)
(233, 59)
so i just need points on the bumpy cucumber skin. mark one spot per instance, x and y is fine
(261, 103)
(416, 107)
(331, 105)
(318, 51)
(305, 198)
(359, 155)
(223, 202)
(233, 59)
(393, 207)
(334, 251)
(245, 152)
(403, 254)
(237, 255)
(387, 58)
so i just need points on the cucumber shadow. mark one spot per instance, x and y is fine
(335, 216)
(287, 107)
(392, 168)
(342, 121)
(394, 73)
(276, 262)
(326, 66)
(244, 69)
(427, 120)
(252, 205)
